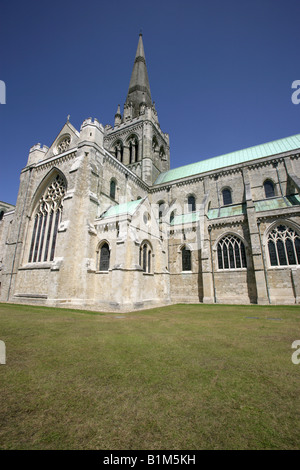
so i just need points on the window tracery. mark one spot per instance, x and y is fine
(231, 253)
(283, 246)
(46, 221)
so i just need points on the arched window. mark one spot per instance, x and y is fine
(104, 257)
(284, 246)
(162, 152)
(46, 220)
(186, 259)
(119, 151)
(161, 206)
(133, 145)
(227, 199)
(191, 204)
(172, 217)
(269, 189)
(112, 191)
(145, 257)
(231, 253)
(154, 143)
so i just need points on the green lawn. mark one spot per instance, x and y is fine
(179, 377)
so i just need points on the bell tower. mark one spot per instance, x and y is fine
(136, 138)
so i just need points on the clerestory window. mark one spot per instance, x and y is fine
(269, 189)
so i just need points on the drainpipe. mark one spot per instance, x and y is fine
(264, 263)
(212, 264)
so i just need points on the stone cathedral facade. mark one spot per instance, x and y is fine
(102, 222)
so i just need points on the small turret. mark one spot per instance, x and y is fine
(92, 131)
(36, 154)
(118, 117)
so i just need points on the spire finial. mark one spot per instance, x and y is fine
(141, 32)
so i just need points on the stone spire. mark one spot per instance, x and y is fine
(139, 88)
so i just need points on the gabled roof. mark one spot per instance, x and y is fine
(234, 158)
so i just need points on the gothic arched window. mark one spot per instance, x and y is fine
(191, 204)
(46, 221)
(161, 206)
(186, 259)
(112, 191)
(231, 253)
(227, 199)
(104, 257)
(269, 189)
(145, 257)
(119, 151)
(133, 145)
(284, 246)
(172, 217)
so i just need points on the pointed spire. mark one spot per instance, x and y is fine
(139, 88)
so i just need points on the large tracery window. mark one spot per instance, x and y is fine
(231, 253)
(46, 220)
(284, 246)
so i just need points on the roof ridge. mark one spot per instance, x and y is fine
(160, 178)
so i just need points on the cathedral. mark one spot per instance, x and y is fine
(102, 222)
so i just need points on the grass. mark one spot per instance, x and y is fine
(179, 377)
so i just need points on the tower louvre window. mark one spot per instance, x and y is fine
(44, 233)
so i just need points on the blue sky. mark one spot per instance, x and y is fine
(220, 72)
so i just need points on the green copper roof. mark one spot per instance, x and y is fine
(119, 209)
(227, 211)
(233, 158)
(277, 203)
(185, 218)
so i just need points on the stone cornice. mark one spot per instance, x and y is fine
(54, 160)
